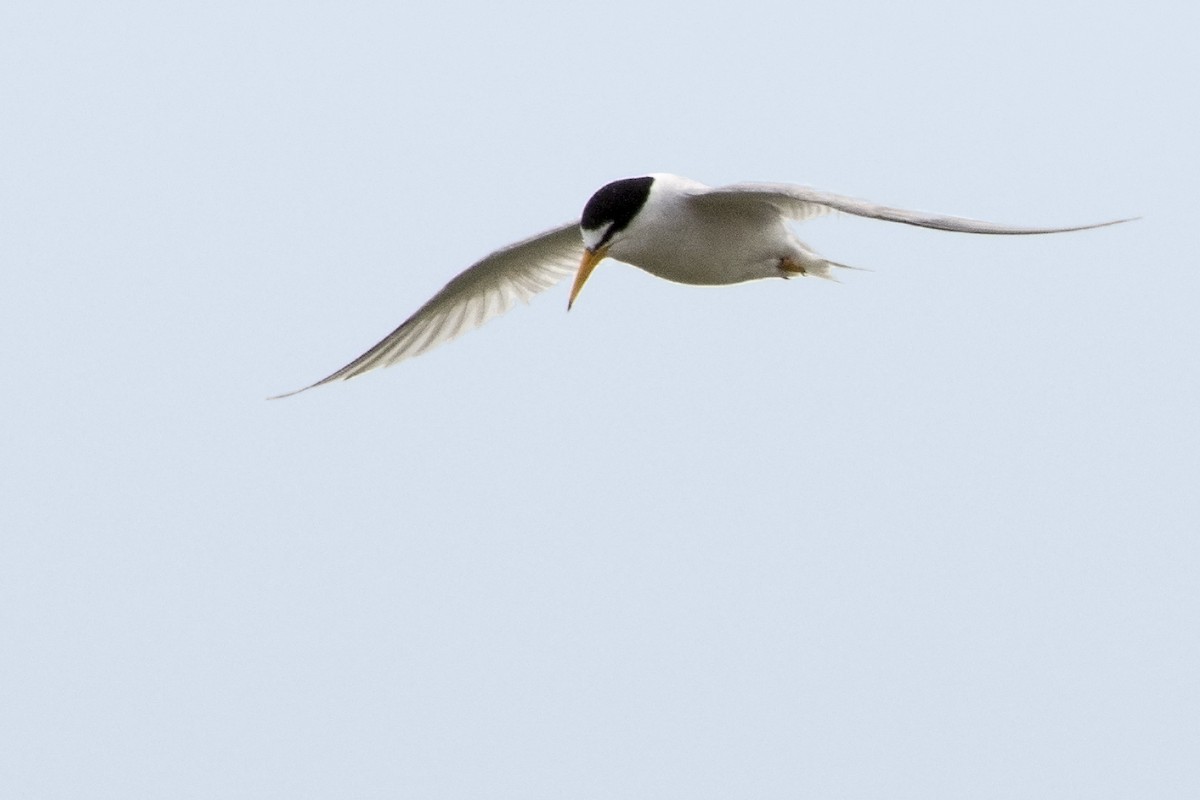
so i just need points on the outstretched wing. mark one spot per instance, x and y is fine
(482, 291)
(802, 202)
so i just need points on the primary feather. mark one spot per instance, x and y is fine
(482, 291)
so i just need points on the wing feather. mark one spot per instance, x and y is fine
(802, 202)
(482, 291)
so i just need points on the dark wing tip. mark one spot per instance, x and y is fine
(302, 389)
(345, 373)
(292, 393)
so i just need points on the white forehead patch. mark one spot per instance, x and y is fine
(593, 236)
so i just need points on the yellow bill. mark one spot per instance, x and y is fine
(590, 259)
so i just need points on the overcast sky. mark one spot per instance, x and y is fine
(928, 533)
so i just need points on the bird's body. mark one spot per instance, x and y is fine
(671, 227)
(723, 242)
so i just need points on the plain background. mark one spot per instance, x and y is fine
(928, 533)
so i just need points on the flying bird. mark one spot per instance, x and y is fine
(669, 226)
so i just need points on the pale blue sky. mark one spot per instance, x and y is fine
(930, 533)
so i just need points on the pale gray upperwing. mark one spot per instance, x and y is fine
(802, 202)
(482, 291)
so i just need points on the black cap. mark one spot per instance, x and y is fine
(615, 204)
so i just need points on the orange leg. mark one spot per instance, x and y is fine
(791, 267)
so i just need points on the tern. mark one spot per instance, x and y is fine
(669, 226)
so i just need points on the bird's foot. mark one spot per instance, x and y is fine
(789, 267)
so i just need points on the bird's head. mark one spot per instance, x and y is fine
(605, 221)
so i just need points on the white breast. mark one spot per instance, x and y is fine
(686, 242)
